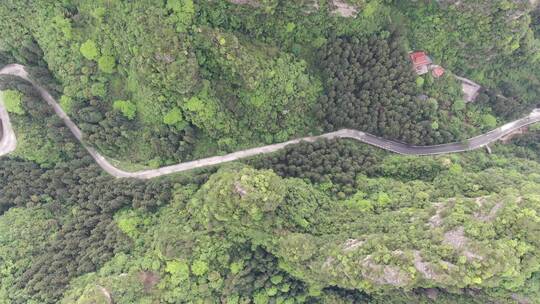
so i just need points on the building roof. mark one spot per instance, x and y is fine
(419, 58)
(437, 72)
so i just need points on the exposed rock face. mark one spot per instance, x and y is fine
(106, 294)
(253, 3)
(352, 244)
(432, 271)
(384, 274)
(424, 268)
(240, 190)
(149, 280)
(344, 9)
(328, 262)
(432, 293)
(457, 239)
(489, 216)
(521, 299)
(436, 219)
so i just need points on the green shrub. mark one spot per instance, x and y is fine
(106, 64)
(174, 118)
(199, 267)
(89, 50)
(126, 107)
(13, 101)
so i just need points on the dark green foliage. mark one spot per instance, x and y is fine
(334, 163)
(236, 229)
(87, 237)
(331, 221)
(531, 142)
(370, 87)
(511, 107)
(525, 146)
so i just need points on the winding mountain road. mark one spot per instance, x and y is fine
(9, 142)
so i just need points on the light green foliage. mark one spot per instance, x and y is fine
(339, 235)
(66, 103)
(459, 105)
(236, 267)
(93, 288)
(359, 201)
(456, 169)
(89, 50)
(128, 108)
(477, 23)
(183, 12)
(276, 279)
(199, 267)
(433, 104)
(411, 169)
(383, 199)
(370, 8)
(92, 294)
(129, 223)
(489, 121)
(534, 127)
(33, 147)
(261, 298)
(272, 91)
(13, 101)
(37, 141)
(420, 82)
(255, 196)
(179, 270)
(63, 25)
(204, 111)
(445, 99)
(98, 90)
(234, 299)
(106, 64)
(174, 118)
(99, 12)
(290, 27)
(376, 229)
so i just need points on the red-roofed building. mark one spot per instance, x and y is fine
(437, 71)
(421, 62)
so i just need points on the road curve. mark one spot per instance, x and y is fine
(8, 141)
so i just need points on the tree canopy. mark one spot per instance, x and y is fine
(156, 83)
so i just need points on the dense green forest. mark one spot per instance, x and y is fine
(338, 222)
(153, 83)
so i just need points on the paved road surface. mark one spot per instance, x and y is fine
(8, 142)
